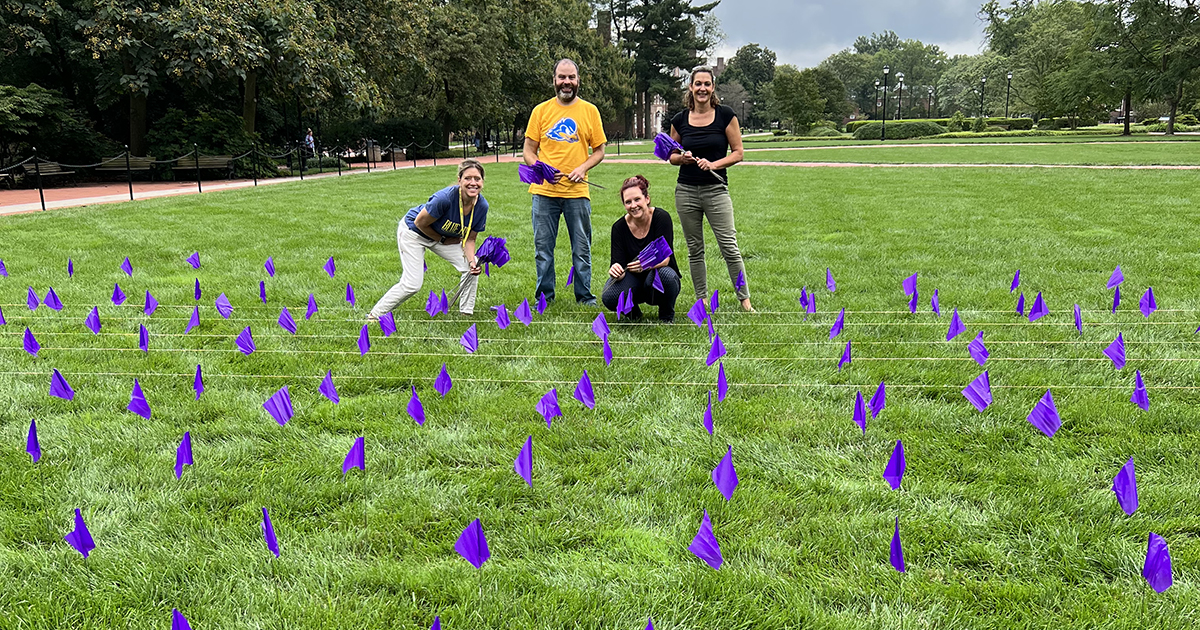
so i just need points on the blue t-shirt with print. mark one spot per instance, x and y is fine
(443, 207)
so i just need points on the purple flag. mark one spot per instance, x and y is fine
(1116, 352)
(878, 401)
(979, 392)
(570, 276)
(56, 304)
(523, 464)
(32, 301)
(493, 251)
(2, 320)
(584, 393)
(350, 294)
(1140, 398)
(470, 339)
(437, 623)
(286, 322)
(198, 383)
(279, 405)
(1078, 319)
(722, 383)
(860, 412)
(664, 146)
(387, 324)
(268, 531)
(608, 355)
(137, 401)
(223, 306)
(32, 446)
(327, 388)
(143, 338)
(896, 554)
(935, 305)
(523, 313)
(705, 546)
(356, 457)
(1116, 299)
(262, 291)
(59, 388)
(183, 454)
(845, 360)
(711, 332)
(502, 319)
(178, 621)
(910, 285)
(432, 306)
(80, 538)
(70, 268)
(192, 323)
(3, 269)
(118, 296)
(600, 326)
(698, 314)
(245, 342)
(708, 417)
(443, 304)
(541, 303)
(1021, 304)
(714, 302)
(1125, 487)
(838, 324)
(443, 383)
(912, 304)
(312, 307)
(657, 283)
(1016, 281)
(31, 344)
(196, 292)
(1115, 279)
(1147, 304)
(1157, 569)
(894, 471)
(472, 545)
(364, 340)
(956, 326)
(416, 410)
(620, 304)
(270, 266)
(1045, 415)
(977, 350)
(725, 477)
(804, 299)
(194, 260)
(330, 268)
(829, 283)
(151, 304)
(716, 352)
(1038, 310)
(548, 406)
(127, 267)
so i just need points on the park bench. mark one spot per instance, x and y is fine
(117, 164)
(207, 162)
(45, 169)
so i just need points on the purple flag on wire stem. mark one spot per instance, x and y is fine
(31, 343)
(838, 324)
(356, 457)
(664, 146)
(600, 326)
(350, 295)
(127, 267)
(979, 392)
(32, 446)
(56, 304)
(1115, 279)
(740, 283)
(711, 332)
(286, 321)
(387, 324)
(1038, 310)
(977, 350)
(956, 326)
(415, 409)
(1078, 319)
(896, 553)
(716, 352)
(3, 269)
(1157, 569)
(2, 320)
(708, 416)
(714, 302)
(32, 300)
(698, 314)
(934, 305)
(541, 303)
(1140, 398)
(279, 405)
(657, 283)
(523, 464)
(443, 304)
(502, 320)
(270, 266)
(223, 306)
(1125, 488)
(584, 392)
(330, 268)
(725, 477)
(1147, 304)
(649, 623)
(472, 545)
(437, 623)
(442, 383)
(912, 304)
(312, 307)
(1021, 304)
(608, 354)
(860, 412)
(910, 285)
(143, 338)
(364, 340)
(829, 283)
(118, 296)
(722, 383)
(151, 305)
(529, 175)
(59, 388)
(196, 291)
(1016, 282)
(183, 454)
(1116, 299)
(570, 277)
(137, 401)
(1044, 415)
(804, 299)
(268, 531)
(1116, 352)
(327, 388)
(192, 323)
(523, 313)
(194, 260)
(470, 339)
(80, 538)
(705, 546)
(178, 621)
(654, 253)
(548, 406)
(262, 291)
(493, 251)
(845, 360)
(894, 472)
(70, 268)
(245, 342)
(878, 401)
(198, 383)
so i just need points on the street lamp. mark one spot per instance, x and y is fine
(982, 85)
(899, 95)
(876, 114)
(1007, 93)
(883, 119)
(929, 105)
(744, 110)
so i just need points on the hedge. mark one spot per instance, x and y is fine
(1010, 123)
(899, 130)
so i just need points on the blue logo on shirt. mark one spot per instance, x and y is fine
(564, 131)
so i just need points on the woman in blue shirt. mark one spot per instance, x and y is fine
(447, 225)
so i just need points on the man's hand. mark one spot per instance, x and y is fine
(616, 271)
(577, 175)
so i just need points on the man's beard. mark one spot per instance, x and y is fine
(574, 92)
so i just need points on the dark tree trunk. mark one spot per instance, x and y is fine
(137, 123)
(1128, 97)
(250, 101)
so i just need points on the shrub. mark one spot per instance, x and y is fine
(217, 132)
(899, 130)
(853, 125)
(779, 132)
(1161, 127)
(1187, 119)
(329, 162)
(1017, 124)
(824, 132)
(957, 122)
(979, 125)
(36, 117)
(1047, 124)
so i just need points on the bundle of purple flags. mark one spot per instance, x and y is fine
(665, 145)
(539, 173)
(493, 251)
(655, 253)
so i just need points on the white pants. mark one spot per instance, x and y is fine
(412, 263)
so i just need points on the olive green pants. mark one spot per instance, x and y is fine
(711, 201)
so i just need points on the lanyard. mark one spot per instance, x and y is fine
(462, 219)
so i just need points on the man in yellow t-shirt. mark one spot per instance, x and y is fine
(560, 132)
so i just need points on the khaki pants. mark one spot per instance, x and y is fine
(711, 201)
(412, 263)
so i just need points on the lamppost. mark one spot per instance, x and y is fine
(1007, 93)
(899, 95)
(744, 111)
(929, 105)
(982, 86)
(883, 127)
(876, 114)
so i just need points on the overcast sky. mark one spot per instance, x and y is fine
(803, 32)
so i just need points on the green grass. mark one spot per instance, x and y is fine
(1141, 153)
(1003, 527)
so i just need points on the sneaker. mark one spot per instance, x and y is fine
(589, 303)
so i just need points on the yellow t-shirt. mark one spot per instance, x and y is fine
(564, 135)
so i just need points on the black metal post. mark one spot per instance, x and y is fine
(300, 155)
(414, 159)
(37, 170)
(128, 173)
(339, 161)
(929, 105)
(883, 120)
(982, 86)
(875, 114)
(317, 154)
(196, 159)
(254, 161)
(393, 154)
(1007, 95)
(368, 156)
(900, 101)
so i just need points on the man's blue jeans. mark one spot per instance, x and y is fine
(578, 215)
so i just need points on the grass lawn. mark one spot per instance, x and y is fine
(1128, 153)
(1002, 526)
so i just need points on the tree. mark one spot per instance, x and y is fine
(752, 66)
(832, 92)
(876, 43)
(795, 97)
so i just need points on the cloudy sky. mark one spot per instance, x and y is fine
(803, 32)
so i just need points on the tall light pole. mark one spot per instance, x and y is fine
(876, 114)
(883, 119)
(744, 113)
(929, 105)
(1007, 93)
(899, 95)
(982, 85)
